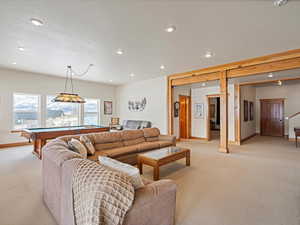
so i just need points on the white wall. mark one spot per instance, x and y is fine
(23, 82)
(248, 128)
(199, 125)
(155, 91)
(291, 93)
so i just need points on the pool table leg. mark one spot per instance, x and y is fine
(37, 147)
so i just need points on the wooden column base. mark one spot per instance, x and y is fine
(223, 150)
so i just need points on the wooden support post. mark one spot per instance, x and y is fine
(224, 112)
(170, 107)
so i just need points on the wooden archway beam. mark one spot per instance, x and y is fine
(259, 65)
(239, 66)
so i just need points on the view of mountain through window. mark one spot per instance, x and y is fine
(61, 114)
(91, 112)
(26, 111)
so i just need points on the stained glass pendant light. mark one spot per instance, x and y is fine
(70, 97)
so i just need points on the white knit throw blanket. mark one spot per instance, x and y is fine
(100, 196)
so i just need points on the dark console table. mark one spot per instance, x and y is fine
(297, 133)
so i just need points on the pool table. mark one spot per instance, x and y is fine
(39, 136)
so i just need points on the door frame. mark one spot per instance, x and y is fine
(188, 116)
(272, 99)
(208, 97)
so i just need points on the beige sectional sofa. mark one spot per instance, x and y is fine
(125, 145)
(153, 204)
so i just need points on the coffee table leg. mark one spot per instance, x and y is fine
(188, 158)
(156, 173)
(140, 166)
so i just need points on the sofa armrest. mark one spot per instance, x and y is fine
(154, 204)
(170, 138)
(58, 154)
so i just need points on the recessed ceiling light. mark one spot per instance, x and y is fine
(280, 2)
(170, 29)
(270, 75)
(162, 67)
(203, 84)
(110, 80)
(36, 22)
(120, 52)
(22, 49)
(14, 63)
(208, 54)
(132, 75)
(279, 82)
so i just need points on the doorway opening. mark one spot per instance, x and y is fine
(213, 118)
(184, 117)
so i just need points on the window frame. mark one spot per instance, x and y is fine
(39, 111)
(46, 111)
(82, 111)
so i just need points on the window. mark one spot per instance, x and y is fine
(61, 114)
(91, 112)
(26, 111)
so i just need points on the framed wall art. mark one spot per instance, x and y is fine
(199, 110)
(108, 108)
(251, 112)
(176, 109)
(246, 111)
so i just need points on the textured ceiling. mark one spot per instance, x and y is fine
(80, 32)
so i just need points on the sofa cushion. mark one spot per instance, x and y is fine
(150, 139)
(116, 152)
(131, 172)
(105, 137)
(132, 137)
(151, 132)
(134, 141)
(88, 144)
(163, 144)
(121, 151)
(76, 146)
(96, 155)
(104, 146)
(147, 146)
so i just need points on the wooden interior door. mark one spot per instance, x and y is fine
(184, 116)
(272, 117)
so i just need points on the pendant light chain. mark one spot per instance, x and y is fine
(66, 96)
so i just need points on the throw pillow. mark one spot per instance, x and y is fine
(88, 144)
(76, 146)
(132, 172)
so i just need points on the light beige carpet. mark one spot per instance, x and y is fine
(257, 184)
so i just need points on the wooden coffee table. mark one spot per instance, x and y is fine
(163, 156)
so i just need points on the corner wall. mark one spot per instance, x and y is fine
(155, 92)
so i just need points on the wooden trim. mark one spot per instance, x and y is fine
(282, 56)
(199, 138)
(16, 131)
(247, 138)
(170, 108)
(18, 144)
(237, 114)
(194, 78)
(269, 81)
(265, 68)
(290, 117)
(233, 143)
(213, 96)
(224, 113)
